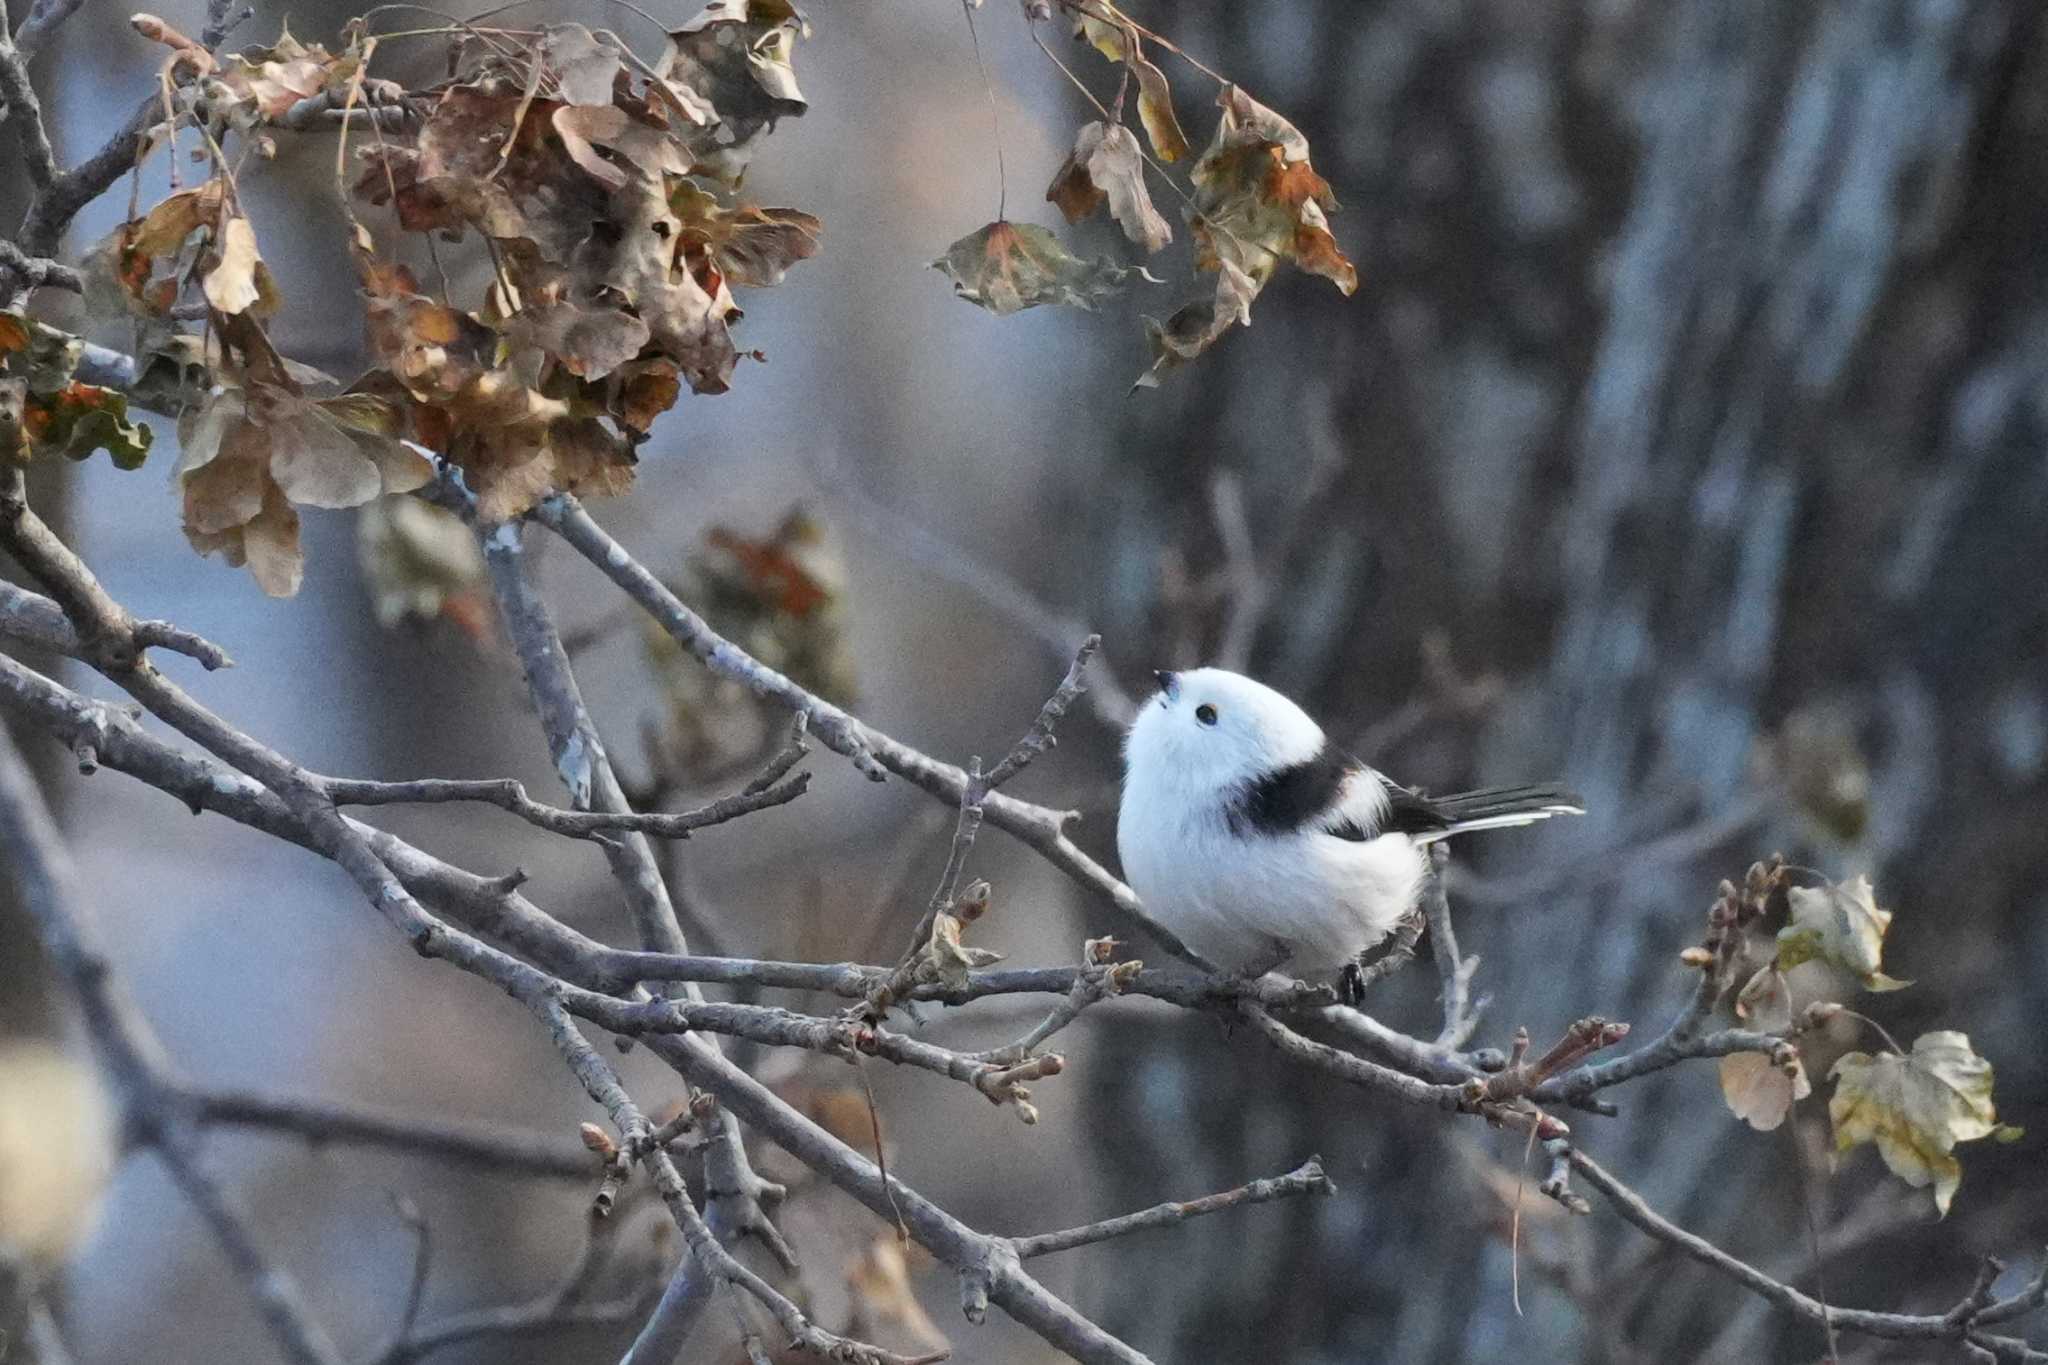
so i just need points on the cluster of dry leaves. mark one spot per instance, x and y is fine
(574, 213)
(1916, 1104)
(548, 242)
(1255, 204)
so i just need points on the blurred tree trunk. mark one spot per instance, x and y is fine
(1697, 384)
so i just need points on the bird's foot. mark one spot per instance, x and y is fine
(1351, 985)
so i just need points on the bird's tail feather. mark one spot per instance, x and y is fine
(1499, 808)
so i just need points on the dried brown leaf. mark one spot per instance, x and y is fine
(1258, 202)
(1197, 325)
(590, 343)
(758, 246)
(1106, 165)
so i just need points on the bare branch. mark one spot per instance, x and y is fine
(1308, 1178)
(1520, 1077)
(509, 794)
(44, 18)
(1682, 1039)
(61, 200)
(1039, 737)
(586, 770)
(603, 1086)
(39, 621)
(25, 112)
(486, 1146)
(518, 1322)
(1953, 1325)
(1461, 1016)
(35, 272)
(1098, 979)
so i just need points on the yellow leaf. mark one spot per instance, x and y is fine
(1103, 35)
(1916, 1108)
(1840, 924)
(231, 285)
(1155, 111)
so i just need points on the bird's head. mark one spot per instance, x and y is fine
(1209, 730)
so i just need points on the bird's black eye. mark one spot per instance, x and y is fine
(1206, 714)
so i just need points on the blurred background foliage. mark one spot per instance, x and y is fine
(1683, 441)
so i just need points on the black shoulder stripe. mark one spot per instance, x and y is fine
(1292, 797)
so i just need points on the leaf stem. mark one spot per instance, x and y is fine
(995, 115)
(1882, 1032)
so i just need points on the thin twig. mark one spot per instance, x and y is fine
(1892, 1326)
(487, 1146)
(1308, 1178)
(509, 794)
(1461, 1016)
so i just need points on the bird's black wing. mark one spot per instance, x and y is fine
(1304, 795)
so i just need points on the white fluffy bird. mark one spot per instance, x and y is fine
(1245, 833)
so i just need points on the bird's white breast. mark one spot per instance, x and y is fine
(1240, 899)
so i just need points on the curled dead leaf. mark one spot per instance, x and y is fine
(1155, 111)
(1258, 202)
(248, 454)
(589, 342)
(585, 68)
(1195, 327)
(1007, 267)
(1765, 1001)
(737, 56)
(1839, 924)
(239, 280)
(1106, 165)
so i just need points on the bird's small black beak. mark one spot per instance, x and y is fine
(1169, 682)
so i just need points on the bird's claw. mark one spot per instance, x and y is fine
(1351, 985)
